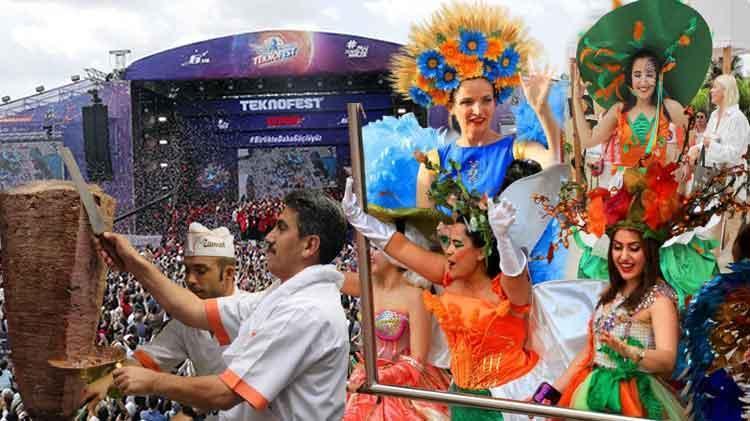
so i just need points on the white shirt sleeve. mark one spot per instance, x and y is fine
(166, 350)
(733, 141)
(226, 314)
(262, 363)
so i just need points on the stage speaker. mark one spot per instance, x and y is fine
(96, 142)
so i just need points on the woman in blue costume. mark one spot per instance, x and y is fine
(469, 59)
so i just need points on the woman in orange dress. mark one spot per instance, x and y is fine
(484, 305)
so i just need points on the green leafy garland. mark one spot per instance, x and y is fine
(449, 191)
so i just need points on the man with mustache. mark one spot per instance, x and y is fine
(288, 352)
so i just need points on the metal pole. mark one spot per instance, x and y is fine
(504, 405)
(363, 245)
(726, 65)
(575, 81)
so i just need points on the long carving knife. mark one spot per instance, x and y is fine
(95, 218)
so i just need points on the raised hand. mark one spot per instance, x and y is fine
(379, 233)
(536, 86)
(501, 216)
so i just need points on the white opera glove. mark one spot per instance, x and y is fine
(379, 233)
(501, 216)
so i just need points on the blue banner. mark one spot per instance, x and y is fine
(282, 138)
(285, 104)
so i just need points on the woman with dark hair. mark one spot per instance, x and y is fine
(633, 338)
(656, 254)
(641, 77)
(486, 289)
(627, 126)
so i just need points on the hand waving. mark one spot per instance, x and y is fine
(536, 86)
(501, 215)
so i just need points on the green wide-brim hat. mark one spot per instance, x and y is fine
(675, 32)
(423, 219)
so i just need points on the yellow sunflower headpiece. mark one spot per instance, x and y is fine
(462, 41)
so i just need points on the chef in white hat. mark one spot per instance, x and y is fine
(209, 273)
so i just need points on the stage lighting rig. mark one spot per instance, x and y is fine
(75, 78)
(40, 89)
(6, 99)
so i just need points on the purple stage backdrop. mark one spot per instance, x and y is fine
(65, 117)
(264, 54)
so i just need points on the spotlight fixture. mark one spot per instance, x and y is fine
(6, 99)
(162, 119)
(163, 164)
(349, 81)
(75, 78)
(40, 89)
(320, 83)
(163, 142)
(401, 111)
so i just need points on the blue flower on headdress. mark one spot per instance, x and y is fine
(447, 79)
(472, 43)
(504, 94)
(429, 63)
(491, 70)
(509, 62)
(420, 97)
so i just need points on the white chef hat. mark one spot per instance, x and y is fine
(202, 241)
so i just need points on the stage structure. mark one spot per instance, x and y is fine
(254, 114)
(33, 128)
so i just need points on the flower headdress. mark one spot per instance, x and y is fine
(448, 191)
(647, 202)
(462, 41)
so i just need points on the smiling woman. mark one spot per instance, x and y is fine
(641, 62)
(633, 338)
(470, 58)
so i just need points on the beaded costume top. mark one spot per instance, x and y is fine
(392, 332)
(614, 318)
(486, 339)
